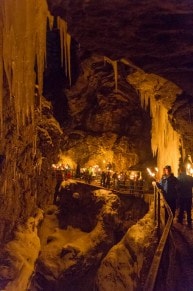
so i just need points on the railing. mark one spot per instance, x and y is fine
(164, 218)
(129, 186)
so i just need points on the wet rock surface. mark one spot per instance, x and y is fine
(71, 254)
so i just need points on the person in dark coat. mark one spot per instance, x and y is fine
(59, 179)
(103, 178)
(185, 195)
(169, 185)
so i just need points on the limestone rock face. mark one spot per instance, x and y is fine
(79, 234)
(26, 156)
(105, 123)
(154, 35)
(124, 265)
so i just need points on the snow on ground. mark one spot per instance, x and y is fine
(69, 253)
(120, 269)
(63, 249)
(22, 253)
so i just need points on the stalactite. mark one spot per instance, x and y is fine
(65, 41)
(24, 39)
(63, 28)
(50, 20)
(1, 75)
(69, 56)
(34, 149)
(1, 94)
(114, 65)
(41, 41)
(165, 141)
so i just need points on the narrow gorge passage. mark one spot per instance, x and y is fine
(183, 277)
(77, 235)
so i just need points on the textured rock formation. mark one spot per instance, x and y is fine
(124, 265)
(105, 124)
(154, 35)
(78, 236)
(18, 257)
(26, 177)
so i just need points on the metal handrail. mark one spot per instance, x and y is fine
(153, 272)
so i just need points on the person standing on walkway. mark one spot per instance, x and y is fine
(185, 195)
(59, 179)
(169, 184)
(108, 180)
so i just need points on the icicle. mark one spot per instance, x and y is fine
(114, 65)
(1, 91)
(34, 145)
(65, 41)
(165, 141)
(50, 20)
(41, 41)
(69, 56)
(24, 38)
(1, 74)
(39, 165)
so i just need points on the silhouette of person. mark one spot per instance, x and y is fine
(185, 195)
(169, 184)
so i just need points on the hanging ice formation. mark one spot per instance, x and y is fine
(114, 65)
(65, 40)
(22, 43)
(1, 75)
(165, 141)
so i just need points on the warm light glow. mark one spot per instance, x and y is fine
(66, 162)
(165, 141)
(150, 172)
(188, 166)
(23, 32)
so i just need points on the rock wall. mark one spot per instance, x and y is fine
(27, 154)
(77, 236)
(154, 35)
(105, 123)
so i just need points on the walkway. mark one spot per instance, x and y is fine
(183, 237)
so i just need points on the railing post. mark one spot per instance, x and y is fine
(152, 276)
(155, 203)
(158, 214)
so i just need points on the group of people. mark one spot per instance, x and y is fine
(177, 192)
(121, 180)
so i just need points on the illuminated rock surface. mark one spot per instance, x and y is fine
(153, 36)
(78, 236)
(102, 115)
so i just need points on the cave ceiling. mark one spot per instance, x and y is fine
(156, 36)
